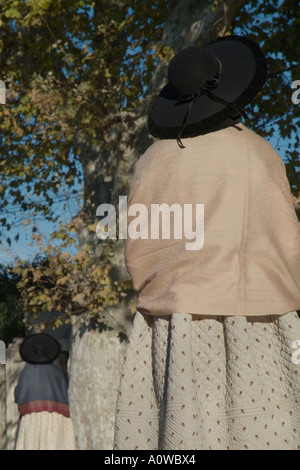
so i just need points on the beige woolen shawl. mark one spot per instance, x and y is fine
(249, 263)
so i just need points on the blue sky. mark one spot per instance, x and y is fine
(66, 207)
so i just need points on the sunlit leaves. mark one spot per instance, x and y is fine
(68, 282)
(70, 67)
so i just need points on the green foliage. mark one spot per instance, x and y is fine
(69, 284)
(70, 67)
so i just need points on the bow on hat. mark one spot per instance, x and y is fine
(207, 86)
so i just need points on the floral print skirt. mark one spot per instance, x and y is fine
(210, 383)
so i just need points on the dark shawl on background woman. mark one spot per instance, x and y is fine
(42, 387)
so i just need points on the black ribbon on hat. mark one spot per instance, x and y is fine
(210, 84)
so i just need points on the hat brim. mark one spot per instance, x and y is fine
(39, 348)
(243, 75)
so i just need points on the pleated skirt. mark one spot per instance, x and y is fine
(45, 431)
(210, 383)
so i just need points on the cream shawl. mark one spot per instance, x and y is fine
(249, 262)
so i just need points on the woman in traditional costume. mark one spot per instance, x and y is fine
(42, 398)
(210, 358)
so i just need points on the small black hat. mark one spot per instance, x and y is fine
(39, 348)
(206, 86)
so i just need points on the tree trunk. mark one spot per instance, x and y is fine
(93, 382)
(95, 358)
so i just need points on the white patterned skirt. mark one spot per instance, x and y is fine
(45, 431)
(210, 383)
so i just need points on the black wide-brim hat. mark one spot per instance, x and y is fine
(207, 86)
(39, 348)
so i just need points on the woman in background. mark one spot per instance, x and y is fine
(42, 398)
